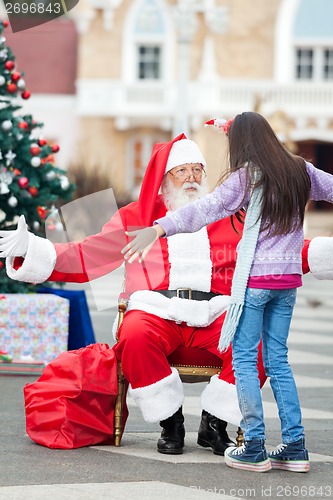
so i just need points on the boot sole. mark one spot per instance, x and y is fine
(206, 444)
(171, 452)
(263, 466)
(291, 465)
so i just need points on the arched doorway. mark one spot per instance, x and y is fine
(321, 155)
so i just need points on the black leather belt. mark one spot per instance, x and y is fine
(187, 293)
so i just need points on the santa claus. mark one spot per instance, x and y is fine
(177, 296)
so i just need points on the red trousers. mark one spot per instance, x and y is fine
(147, 340)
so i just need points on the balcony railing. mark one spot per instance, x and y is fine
(113, 98)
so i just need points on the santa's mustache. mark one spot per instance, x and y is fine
(192, 185)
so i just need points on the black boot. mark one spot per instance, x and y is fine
(171, 441)
(213, 433)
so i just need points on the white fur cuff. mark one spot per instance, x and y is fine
(320, 257)
(160, 400)
(220, 399)
(38, 263)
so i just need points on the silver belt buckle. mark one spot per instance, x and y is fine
(189, 290)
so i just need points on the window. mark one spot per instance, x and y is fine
(328, 64)
(138, 162)
(140, 148)
(148, 44)
(149, 62)
(312, 37)
(314, 63)
(304, 64)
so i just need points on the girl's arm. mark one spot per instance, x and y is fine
(224, 201)
(321, 184)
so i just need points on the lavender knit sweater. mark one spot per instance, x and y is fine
(275, 255)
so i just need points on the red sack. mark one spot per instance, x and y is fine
(72, 403)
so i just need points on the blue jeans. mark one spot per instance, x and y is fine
(266, 314)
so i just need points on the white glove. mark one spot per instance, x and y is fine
(141, 244)
(15, 243)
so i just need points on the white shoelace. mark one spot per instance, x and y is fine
(279, 449)
(238, 450)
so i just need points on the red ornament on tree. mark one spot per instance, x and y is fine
(23, 125)
(48, 159)
(1, 265)
(26, 94)
(33, 191)
(55, 148)
(42, 142)
(9, 65)
(5, 23)
(15, 76)
(35, 150)
(12, 88)
(17, 171)
(23, 182)
(42, 212)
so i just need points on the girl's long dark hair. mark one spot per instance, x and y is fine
(284, 178)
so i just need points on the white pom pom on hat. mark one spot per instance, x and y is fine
(184, 151)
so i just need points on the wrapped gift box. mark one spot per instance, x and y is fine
(34, 327)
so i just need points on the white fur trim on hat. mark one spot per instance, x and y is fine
(38, 263)
(320, 257)
(160, 400)
(184, 151)
(219, 398)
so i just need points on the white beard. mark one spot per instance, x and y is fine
(176, 198)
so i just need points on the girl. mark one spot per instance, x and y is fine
(274, 187)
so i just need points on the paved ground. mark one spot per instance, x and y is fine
(135, 470)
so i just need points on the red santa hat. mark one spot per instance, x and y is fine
(165, 156)
(221, 124)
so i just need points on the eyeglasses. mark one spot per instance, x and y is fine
(182, 174)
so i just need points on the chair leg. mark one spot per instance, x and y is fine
(118, 412)
(240, 437)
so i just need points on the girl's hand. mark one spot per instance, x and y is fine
(142, 242)
(15, 243)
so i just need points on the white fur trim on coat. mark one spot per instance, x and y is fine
(198, 313)
(219, 398)
(160, 400)
(38, 263)
(320, 257)
(190, 261)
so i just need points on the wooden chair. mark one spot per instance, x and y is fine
(194, 365)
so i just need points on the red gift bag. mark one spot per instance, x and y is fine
(72, 403)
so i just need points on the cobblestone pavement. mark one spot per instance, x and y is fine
(136, 470)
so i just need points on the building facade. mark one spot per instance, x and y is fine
(146, 70)
(150, 69)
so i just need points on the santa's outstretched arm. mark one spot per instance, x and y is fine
(34, 259)
(317, 257)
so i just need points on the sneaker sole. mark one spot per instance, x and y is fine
(291, 465)
(263, 466)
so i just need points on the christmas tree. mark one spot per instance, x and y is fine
(30, 183)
